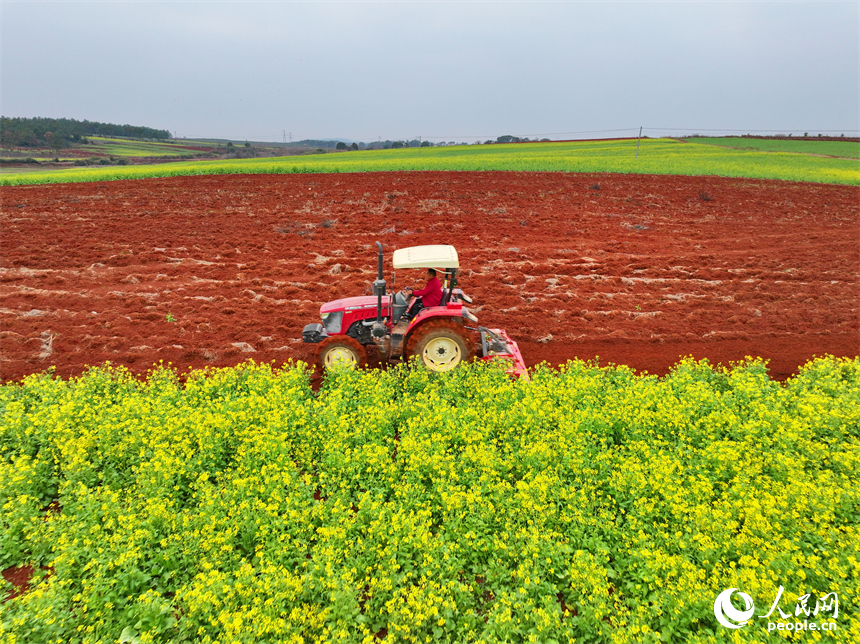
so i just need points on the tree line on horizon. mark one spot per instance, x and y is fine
(414, 143)
(58, 133)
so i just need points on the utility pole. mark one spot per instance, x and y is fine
(638, 141)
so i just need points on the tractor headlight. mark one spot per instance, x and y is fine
(469, 316)
(332, 322)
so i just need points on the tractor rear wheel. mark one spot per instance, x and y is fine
(441, 344)
(340, 350)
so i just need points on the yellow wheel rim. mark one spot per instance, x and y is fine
(340, 356)
(441, 354)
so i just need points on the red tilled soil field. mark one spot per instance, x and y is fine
(635, 269)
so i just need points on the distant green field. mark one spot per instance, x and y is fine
(99, 146)
(656, 156)
(845, 149)
(103, 146)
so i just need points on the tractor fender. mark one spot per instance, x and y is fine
(434, 314)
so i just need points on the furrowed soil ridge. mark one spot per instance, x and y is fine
(636, 269)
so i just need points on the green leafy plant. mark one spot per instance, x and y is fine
(587, 504)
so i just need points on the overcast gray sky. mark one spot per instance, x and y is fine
(440, 70)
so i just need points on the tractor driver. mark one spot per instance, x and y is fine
(430, 295)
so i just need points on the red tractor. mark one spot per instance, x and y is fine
(438, 335)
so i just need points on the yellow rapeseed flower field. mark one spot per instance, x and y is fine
(589, 504)
(806, 161)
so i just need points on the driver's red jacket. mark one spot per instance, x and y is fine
(431, 295)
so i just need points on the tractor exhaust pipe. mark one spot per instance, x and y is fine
(379, 286)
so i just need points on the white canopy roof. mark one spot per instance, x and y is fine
(426, 257)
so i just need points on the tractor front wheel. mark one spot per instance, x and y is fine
(441, 344)
(341, 350)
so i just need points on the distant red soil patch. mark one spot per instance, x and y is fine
(635, 269)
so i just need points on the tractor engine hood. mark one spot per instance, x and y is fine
(354, 304)
(339, 315)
